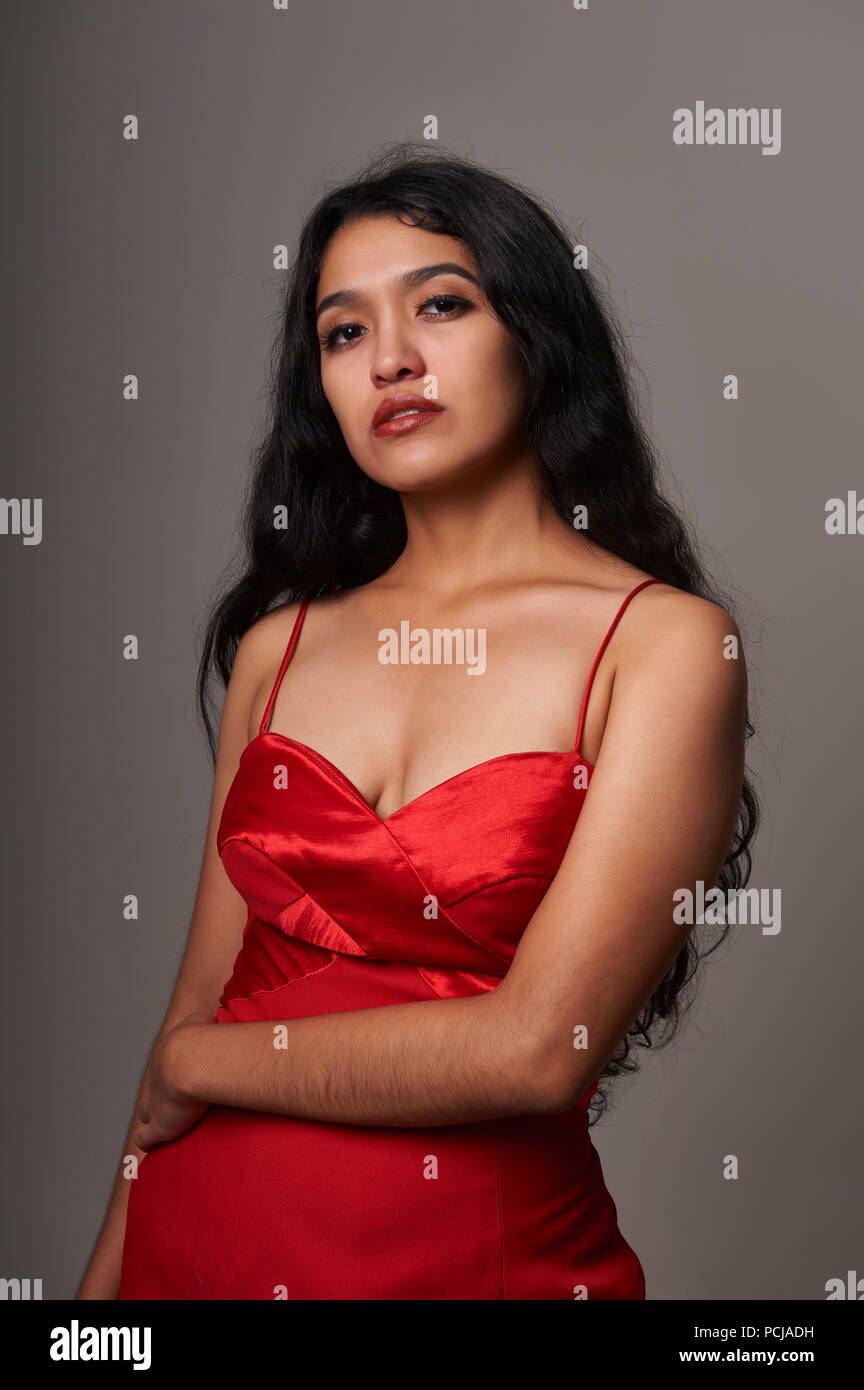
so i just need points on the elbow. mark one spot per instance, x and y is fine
(554, 1095)
(551, 1077)
(552, 1086)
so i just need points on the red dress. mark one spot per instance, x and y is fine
(342, 915)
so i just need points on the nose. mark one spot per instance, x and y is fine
(396, 355)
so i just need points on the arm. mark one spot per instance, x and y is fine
(437, 1062)
(214, 938)
(660, 814)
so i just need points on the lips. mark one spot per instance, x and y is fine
(405, 401)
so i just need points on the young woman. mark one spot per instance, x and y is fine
(484, 718)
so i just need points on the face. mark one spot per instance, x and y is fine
(434, 337)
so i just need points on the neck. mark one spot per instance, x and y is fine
(485, 531)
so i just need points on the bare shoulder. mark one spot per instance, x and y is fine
(256, 661)
(673, 623)
(329, 616)
(682, 665)
(265, 640)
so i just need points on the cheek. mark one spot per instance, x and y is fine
(509, 386)
(337, 388)
(491, 382)
(486, 360)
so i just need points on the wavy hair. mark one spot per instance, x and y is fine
(342, 529)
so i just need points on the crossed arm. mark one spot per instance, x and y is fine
(659, 816)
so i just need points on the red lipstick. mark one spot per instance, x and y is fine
(423, 413)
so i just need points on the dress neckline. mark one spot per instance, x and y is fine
(337, 775)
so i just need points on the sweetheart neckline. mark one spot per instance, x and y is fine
(345, 780)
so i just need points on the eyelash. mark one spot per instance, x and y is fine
(327, 340)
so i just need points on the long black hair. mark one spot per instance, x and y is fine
(340, 529)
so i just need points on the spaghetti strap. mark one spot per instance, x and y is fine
(614, 624)
(292, 642)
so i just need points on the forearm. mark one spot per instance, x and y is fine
(438, 1062)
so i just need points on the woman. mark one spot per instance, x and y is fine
(438, 939)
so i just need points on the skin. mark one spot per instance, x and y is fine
(664, 732)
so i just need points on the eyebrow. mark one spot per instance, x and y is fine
(408, 280)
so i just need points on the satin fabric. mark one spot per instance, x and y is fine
(349, 910)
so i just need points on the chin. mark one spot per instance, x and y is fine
(420, 468)
(420, 475)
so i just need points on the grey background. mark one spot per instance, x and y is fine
(155, 257)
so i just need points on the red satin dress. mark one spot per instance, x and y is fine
(351, 910)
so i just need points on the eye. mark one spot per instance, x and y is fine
(443, 299)
(329, 341)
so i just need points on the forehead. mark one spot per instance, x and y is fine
(372, 251)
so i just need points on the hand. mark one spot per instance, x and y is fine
(165, 1112)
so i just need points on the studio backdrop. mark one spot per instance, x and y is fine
(159, 162)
